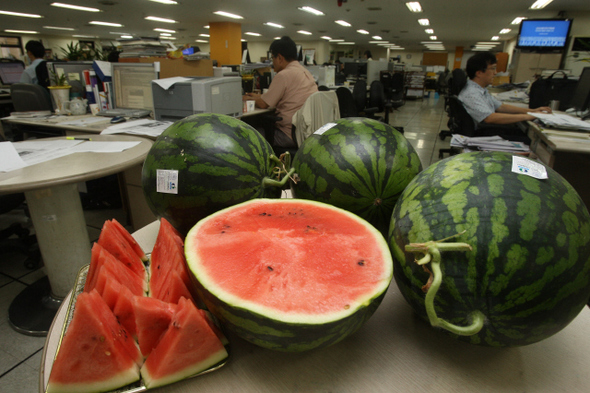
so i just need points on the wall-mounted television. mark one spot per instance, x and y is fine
(541, 34)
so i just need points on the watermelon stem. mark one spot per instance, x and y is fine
(432, 253)
(279, 170)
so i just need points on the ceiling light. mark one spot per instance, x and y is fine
(204, 35)
(343, 23)
(539, 4)
(414, 6)
(430, 42)
(397, 48)
(84, 36)
(206, 27)
(362, 31)
(127, 36)
(433, 37)
(429, 31)
(165, 35)
(274, 25)
(168, 38)
(252, 34)
(228, 15)
(10, 13)
(310, 10)
(505, 31)
(345, 43)
(58, 28)
(486, 43)
(495, 37)
(376, 37)
(95, 22)
(337, 40)
(21, 31)
(202, 41)
(424, 22)
(165, 30)
(325, 37)
(75, 7)
(157, 19)
(517, 21)
(304, 32)
(165, 1)
(379, 42)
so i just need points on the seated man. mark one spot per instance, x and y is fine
(36, 52)
(485, 109)
(289, 89)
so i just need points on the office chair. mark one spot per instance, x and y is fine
(346, 102)
(456, 83)
(30, 97)
(397, 90)
(320, 108)
(377, 100)
(359, 93)
(42, 74)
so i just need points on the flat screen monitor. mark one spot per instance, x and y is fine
(580, 100)
(354, 68)
(132, 85)
(10, 72)
(543, 33)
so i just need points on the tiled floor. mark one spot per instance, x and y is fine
(20, 355)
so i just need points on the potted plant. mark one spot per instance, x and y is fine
(60, 92)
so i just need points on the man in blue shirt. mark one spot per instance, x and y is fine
(479, 103)
(36, 52)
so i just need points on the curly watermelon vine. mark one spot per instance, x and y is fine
(432, 254)
(281, 164)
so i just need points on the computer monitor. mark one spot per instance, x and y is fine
(10, 72)
(132, 85)
(580, 100)
(355, 68)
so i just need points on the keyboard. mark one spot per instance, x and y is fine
(124, 112)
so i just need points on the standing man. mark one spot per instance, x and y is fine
(289, 89)
(36, 52)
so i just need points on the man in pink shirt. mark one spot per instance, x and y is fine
(289, 89)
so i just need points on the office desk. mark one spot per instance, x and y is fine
(393, 352)
(567, 152)
(56, 212)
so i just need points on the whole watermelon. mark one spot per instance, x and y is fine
(360, 165)
(219, 161)
(527, 274)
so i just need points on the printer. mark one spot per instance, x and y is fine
(204, 94)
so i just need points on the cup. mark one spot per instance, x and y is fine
(554, 105)
(94, 109)
(250, 105)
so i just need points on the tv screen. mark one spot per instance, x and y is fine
(544, 33)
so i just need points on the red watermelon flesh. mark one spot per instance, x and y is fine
(189, 346)
(124, 311)
(115, 270)
(90, 358)
(115, 243)
(173, 288)
(168, 228)
(214, 327)
(93, 268)
(152, 317)
(130, 239)
(110, 293)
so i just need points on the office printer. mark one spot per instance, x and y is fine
(205, 94)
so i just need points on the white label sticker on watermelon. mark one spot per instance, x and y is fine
(167, 181)
(324, 128)
(524, 166)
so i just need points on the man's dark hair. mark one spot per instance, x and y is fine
(36, 48)
(284, 46)
(479, 62)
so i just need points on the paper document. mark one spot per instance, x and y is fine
(9, 158)
(84, 121)
(562, 121)
(491, 143)
(38, 150)
(104, 147)
(166, 83)
(139, 127)
(517, 95)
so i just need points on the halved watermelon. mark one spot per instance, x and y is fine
(115, 243)
(152, 317)
(130, 239)
(289, 274)
(189, 346)
(91, 356)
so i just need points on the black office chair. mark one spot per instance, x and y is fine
(456, 83)
(346, 103)
(377, 100)
(30, 97)
(42, 74)
(359, 93)
(398, 95)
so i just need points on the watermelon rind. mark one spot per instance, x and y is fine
(221, 161)
(529, 270)
(358, 164)
(270, 328)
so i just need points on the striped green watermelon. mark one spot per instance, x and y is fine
(204, 163)
(289, 274)
(360, 165)
(518, 268)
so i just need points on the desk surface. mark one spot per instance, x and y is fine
(393, 352)
(75, 167)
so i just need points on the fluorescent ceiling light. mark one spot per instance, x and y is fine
(118, 33)
(228, 15)
(496, 37)
(206, 27)
(304, 32)
(126, 36)
(274, 25)
(343, 23)
(379, 42)
(75, 7)
(157, 19)
(325, 37)
(429, 31)
(414, 6)
(21, 31)
(310, 10)
(430, 42)
(486, 43)
(202, 41)
(204, 35)
(58, 28)
(505, 31)
(396, 48)
(433, 37)
(165, 35)
(10, 13)
(165, 1)
(345, 43)
(337, 40)
(252, 34)
(362, 31)
(539, 4)
(165, 30)
(376, 37)
(424, 22)
(517, 21)
(96, 22)
(84, 36)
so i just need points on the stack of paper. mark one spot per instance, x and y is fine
(562, 121)
(488, 143)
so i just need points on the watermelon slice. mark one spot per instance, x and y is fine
(91, 358)
(189, 346)
(214, 327)
(115, 243)
(152, 317)
(130, 239)
(110, 268)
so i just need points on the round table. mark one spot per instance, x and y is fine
(56, 212)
